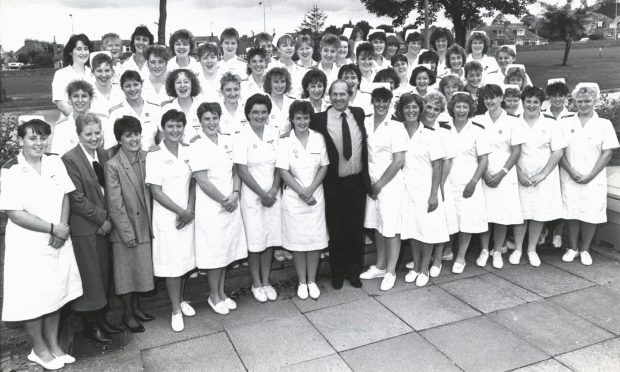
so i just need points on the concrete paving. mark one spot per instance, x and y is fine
(558, 317)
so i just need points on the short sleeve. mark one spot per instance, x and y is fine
(399, 137)
(61, 174)
(12, 192)
(60, 140)
(282, 155)
(557, 140)
(518, 136)
(435, 147)
(59, 86)
(610, 139)
(483, 146)
(240, 149)
(154, 168)
(447, 142)
(198, 160)
(324, 157)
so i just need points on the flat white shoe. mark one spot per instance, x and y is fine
(230, 303)
(388, 282)
(372, 273)
(586, 259)
(570, 255)
(187, 309)
(66, 359)
(270, 292)
(458, 268)
(410, 265)
(421, 280)
(435, 271)
(176, 322)
(483, 258)
(411, 276)
(515, 257)
(313, 290)
(302, 291)
(498, 262)
(534, 259)
(259, 294)
(219, 308)
(54, 364)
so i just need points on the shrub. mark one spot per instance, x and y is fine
(9, 144)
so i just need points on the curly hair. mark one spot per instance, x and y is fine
(435, 98)
(182, 34)
(455, 49)
(275, 72)
(450, 80)
(229, 77)
(462, 98)
(420, 69)
(158, 51)
(313, 76)
(478, 36)
(403, 101)
(386, 74)
(441, 32)
(557, 89)
(174, 75)
(299, 107)
(537, 92)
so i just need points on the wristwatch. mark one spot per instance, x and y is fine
(505, 170)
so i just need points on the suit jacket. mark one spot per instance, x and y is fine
(318, 122)
(129, 200)
(88, 205)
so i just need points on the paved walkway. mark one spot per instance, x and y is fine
(559, 317)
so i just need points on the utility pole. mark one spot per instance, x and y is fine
(71, 16)
(264, 23)
(427, 36)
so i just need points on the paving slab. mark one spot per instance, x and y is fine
(479, 345)
(482, 294)
(545, 281)
(331, 363)
(603, 357)
(124, 360)
(371, 286)
(158, 332)
(277, 343)
(512, 288)
(602, 271)
(597, 304)
(427, 307)
(550, 327)
(549, 365)
(329, 296)
(251, 311)
(358, 323)
(208, 353)
(409, 352)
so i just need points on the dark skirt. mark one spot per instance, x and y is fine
(92, 254)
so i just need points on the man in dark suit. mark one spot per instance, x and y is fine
(346, 183)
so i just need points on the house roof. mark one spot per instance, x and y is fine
(509, 33)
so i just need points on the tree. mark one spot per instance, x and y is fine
(458, 11)
(386, 28)
(314, 20)
(333, 30)
(562, 23)
(606, 7)
(161, 25)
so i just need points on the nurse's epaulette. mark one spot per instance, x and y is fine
(165, 103)
(241, 59)
(549, 116)
(183, 144)
(62, 120)
(513, 115)
(10, 163)
(99, 114)
(224, 134)
(51, 154)
(194, 139)
(152, 103)
(429, 128)
(369, 115)
(115, 107)
(285, 135)
(445, 125)
(154, 148)
(291, 97)
(478, 124)
(568, 116)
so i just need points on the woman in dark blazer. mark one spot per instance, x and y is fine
(129, 205)
(90, 226)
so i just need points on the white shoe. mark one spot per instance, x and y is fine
(302, 291)
(534, 259)
(66, 359)
(482, 259)
(177, 322)
(271, 293)
(410, 265)
(557, 241)
(313, 290)
(372, 273)
(288, 255)
(421, 280)
(219, 308)
(458, 268)
(51, 365)
(259, 294)
(447, 256)
(570, 255)
(435, 271)
(515, 257)
(187, 309)
(498, 261)
(230, 303)
(586, 259)
(411, 276)
(278, 254)
(388, 282)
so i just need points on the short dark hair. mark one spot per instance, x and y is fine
(441, 32)
(557, 89)
(349, 45)
(67, 52)
(277, 71)
(351, 67)
(100, 59)
(398, 58)
(530, 91)
(175, 75)
(429, 56)
(420, 69)
(263, 36)
(491, 91)
(331, 40)
(478, 36)
(212, 107)
(381, 93)
(229, 33)
(173, 115)
(357, 31)
(473, 66)
(84, 85)
(313, 75)
(455, 49)
(299, 107)
(126, 124)
(141, 30)
(37, 126)
(462, 98)
(182, 34)
(207, 48)
(403, 101)
(86, 119)
(157, 50)
(253, 52)
(304, 39)
(377, 35)
(229, 77)
(387, 73)
(130, 75)
(413, 36)
(364, 48)
(257, 99)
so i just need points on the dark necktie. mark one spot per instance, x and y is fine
(99, 173)
(346, 138)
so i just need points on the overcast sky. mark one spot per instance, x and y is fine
(44, 19)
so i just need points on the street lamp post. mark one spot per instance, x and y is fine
(264, 23)
(71, 16)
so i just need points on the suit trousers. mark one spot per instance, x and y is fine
(345, 203)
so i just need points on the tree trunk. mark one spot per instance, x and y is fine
(569, 41)
(161, 26)
(459, 32)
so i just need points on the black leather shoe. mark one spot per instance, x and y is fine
(355, 282)
(137, 329)
(144, 317)
(109, 328)
(337, 282)
(98, 335)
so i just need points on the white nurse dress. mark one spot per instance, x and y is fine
(303, 226)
